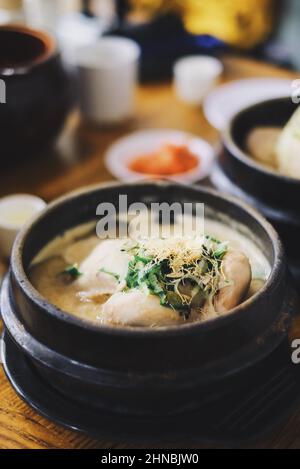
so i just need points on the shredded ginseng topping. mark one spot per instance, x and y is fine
(183, 273)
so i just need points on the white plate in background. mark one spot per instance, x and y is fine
(227, 100)
(126, 149)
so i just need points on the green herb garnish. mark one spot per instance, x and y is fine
(181, 286)
(73, 272)
(221, 250)
(116, 276)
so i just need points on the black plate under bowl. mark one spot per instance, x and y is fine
(266, 395)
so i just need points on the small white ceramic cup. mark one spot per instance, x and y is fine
(195, 76)
(15, 211)
(108, 71)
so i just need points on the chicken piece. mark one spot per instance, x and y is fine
(261, 144)
(76, 252)
(135, 308)
(288, 148)
(103, 270)
(237, 271)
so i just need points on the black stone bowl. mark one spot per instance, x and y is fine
(275, 196)
(35, 93)
(142, 371)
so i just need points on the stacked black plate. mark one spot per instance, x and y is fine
(239, 411)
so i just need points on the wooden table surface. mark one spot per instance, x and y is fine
(78, 161)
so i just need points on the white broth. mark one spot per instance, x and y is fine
(106, 282)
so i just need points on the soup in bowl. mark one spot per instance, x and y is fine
(131, 327)
(151, 282)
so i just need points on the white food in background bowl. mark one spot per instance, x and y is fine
(15, 211)
(127, 149)
(288, 147)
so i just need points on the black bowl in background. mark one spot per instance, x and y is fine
(36, 90)
(274, 195)
(137, 370)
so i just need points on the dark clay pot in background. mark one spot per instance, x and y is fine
(138, 370)
(275, 196)
(38, 92)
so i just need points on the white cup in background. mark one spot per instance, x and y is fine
(15, 211)
(195, 76)
(107, 78)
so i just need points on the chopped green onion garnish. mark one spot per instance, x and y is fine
(73, 271)
(104, 271)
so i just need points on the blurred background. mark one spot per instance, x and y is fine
(141, 88)
(166, 29)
